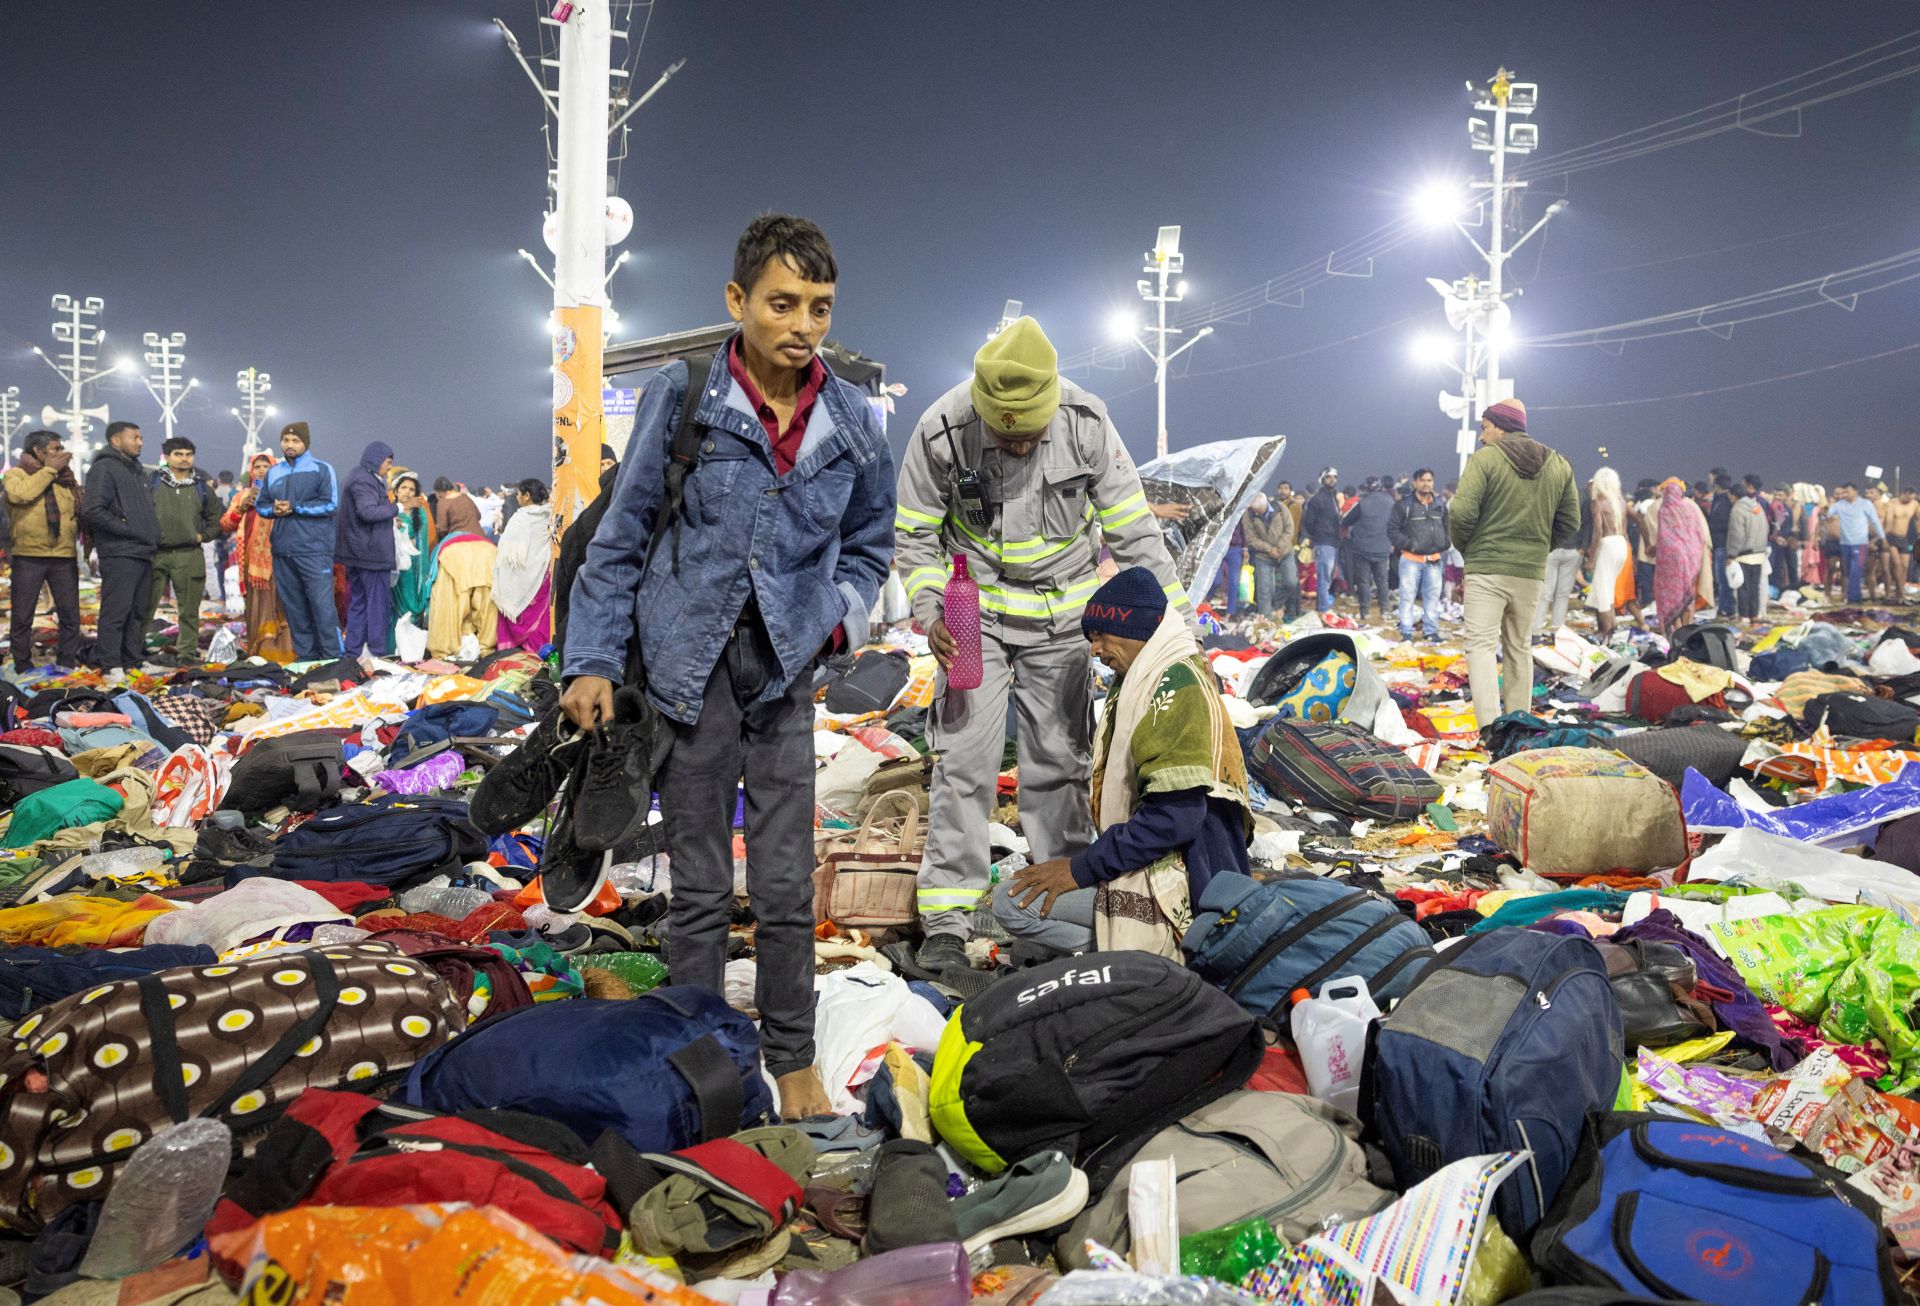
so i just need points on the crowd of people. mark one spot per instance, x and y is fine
(321, 565)
(690, 633)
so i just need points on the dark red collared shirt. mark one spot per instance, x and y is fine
(786, 444)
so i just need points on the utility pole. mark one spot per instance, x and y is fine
(1164, 263)
(165, 354)
(78, 331)
(254, 386)
(1008, 316)
(1478, 306)
(9, 425)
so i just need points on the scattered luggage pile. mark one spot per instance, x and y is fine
(314, 991)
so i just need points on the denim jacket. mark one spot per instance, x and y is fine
(812, 547)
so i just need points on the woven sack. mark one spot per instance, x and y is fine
(873, 884)
(1573, 812)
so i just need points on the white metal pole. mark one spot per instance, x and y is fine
(1464, 442)
(77, 422)
(10, 404)
(1497, 245)
(580, 258)
(1160, 368)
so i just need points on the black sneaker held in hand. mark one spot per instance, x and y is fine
(611, 801)
(525, 781)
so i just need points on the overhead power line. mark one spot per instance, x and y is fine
(1748, 111)
(1739, 385)
(1840, 290)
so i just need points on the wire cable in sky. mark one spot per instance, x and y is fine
(1722, 389)
(1841, 290)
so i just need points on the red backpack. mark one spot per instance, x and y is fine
(345, 1149)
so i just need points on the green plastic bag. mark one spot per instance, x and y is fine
(73, 802)
(1793, 960)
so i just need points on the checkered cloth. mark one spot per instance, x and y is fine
(192, 714)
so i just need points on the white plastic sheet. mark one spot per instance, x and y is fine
(253, 909)
(1756, 857)
(857, 1012)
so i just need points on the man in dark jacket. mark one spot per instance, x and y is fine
(363, 544)
(573, 547)
(189, 513)
(1320, 522)
(1418, 530)
(1367, 544)
(117, 511)
(1719, 514)
(301, 494)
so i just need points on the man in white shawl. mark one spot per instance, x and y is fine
(1169, 792)
(523, 572)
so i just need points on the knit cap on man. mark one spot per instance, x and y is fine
(1510, 415)
(298, 430)
(1016, 380)
(1129, 606)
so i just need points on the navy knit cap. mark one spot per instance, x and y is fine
(1130, 606)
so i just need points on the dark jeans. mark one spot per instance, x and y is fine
(305, 587)
(1276, 585)
(369, 599)
(125, 584)
(1855, 556)
(1370, 582)
(770, 745)
(1236, 559)
(1751, 584)
(1642, 585)
(1722, 592)
(62, 576)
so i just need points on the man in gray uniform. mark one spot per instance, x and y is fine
(1024, 475)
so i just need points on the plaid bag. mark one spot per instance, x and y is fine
(192, 714)
(91, 1077)
(1340, 767)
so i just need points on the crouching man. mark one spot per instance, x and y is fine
(1169, 792)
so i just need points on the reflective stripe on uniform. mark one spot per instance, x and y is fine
(1038, 604)
(923, 578)
(1128, 508)
(1138, 512)
(932, 900)
(908, 519)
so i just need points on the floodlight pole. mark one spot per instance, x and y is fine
(254, 386)
(79, 331)
(165, 354)
(1163, 263)
(10, 426)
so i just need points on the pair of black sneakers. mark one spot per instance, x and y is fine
(599, 782)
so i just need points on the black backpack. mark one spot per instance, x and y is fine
(871, 684)
(300, 770)
(27, 769)
(1710, 642)
(1862, 716)
(1091, 1055)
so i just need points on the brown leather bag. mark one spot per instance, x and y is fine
(873, 884)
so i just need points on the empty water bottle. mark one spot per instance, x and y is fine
(444, 900)
(161, 1200)
(122, 861)
(961, 613)
(932, 1274)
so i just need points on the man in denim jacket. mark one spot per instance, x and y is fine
(785, 537)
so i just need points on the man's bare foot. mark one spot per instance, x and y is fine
(802, 1095)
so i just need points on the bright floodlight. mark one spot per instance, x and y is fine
(1121, 324)
(1167, 243)
(1440, 203)
(1433, 349)
(126, 365)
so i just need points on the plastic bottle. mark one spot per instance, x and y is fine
(162, 1199)
(1331, 1033)
(933, 1274)
(961, 613)
(444, 900)
(641, 970)
(122, 861)
(1231, 1252)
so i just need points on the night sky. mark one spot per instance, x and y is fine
(334, 192)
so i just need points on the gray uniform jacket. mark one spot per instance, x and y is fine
(1051, 511)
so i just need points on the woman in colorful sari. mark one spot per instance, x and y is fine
(523, 572)
(1680, 556)
(413, 581)
(267, 634)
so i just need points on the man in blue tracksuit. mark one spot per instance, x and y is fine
(301, 495)
(784, 537)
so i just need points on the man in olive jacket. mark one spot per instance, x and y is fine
(1515, 501)
(189, 515)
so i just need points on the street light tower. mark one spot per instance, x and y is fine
(165, 354)
(79, 333)
(1162, 286)
(10, 426)
(254, 385)
(1008, 316)
(1478, 306)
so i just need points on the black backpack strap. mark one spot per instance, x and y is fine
(682, 453)
(715, 1082)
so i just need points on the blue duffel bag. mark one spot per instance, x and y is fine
(439, 721)
(671, 1068)
(1686, 1211)
(30, 978)
(1260, 942)
(393, 840)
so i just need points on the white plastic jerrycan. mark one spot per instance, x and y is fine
(1331, 1033)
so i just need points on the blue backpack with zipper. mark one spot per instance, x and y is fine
(1261, 941)
(1678, 1210)
(392, 840)
(673, 1067)
(1505, 1045)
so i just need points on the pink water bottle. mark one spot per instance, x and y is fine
(962, 617)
